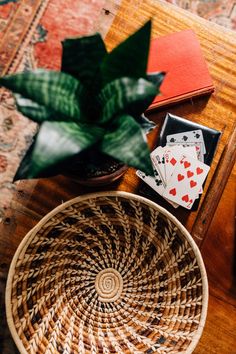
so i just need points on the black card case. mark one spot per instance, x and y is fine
(174, 124)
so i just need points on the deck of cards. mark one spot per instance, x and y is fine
(179, 170)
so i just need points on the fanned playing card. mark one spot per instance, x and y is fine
(174, 124)
(194, 136)
(155, 183)
(186, 181)
(197, 145)
(178, 162)
(178, 174)
(172, 154)
(158, 160)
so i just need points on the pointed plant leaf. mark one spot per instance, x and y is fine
(125, 141)
(156, 78)
(82, 56)
(24, 168)
(125, 95)
(145, 123)
(54, 90)
(56, 142)
(36, 112)
(129, 58)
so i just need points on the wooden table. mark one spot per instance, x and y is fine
(219, 49)
(33, 199)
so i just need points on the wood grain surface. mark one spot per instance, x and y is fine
(213, 226)
(217, 111)
(35, 198)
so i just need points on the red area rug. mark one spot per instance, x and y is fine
(30, 36)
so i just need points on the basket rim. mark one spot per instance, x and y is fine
(30, 235)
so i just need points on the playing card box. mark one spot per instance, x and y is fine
(174, 124)
(179, 131)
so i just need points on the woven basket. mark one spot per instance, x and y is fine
(107, 273)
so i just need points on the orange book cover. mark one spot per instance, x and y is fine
(180, 56)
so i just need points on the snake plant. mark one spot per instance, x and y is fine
(94, 102)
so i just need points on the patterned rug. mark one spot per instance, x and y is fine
(30, 35)
(222, 12)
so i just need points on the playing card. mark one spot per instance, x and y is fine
(155, 183)
(158, 160)
(186, 181)
(197, 145)
(172, 155)
(194, 136)
(190, 151)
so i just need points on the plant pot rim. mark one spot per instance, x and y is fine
(102, 180)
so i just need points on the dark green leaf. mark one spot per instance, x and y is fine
(125, 95)
(55, 142)
(156, 79)
(54, 90)
(125, 141)
(145, 123)
(36, 112)
(129, 58)
(82, 57)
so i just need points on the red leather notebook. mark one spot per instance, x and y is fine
(180, 56)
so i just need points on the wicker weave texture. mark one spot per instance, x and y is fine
(107, 273)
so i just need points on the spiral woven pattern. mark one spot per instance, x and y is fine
(107, 273)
